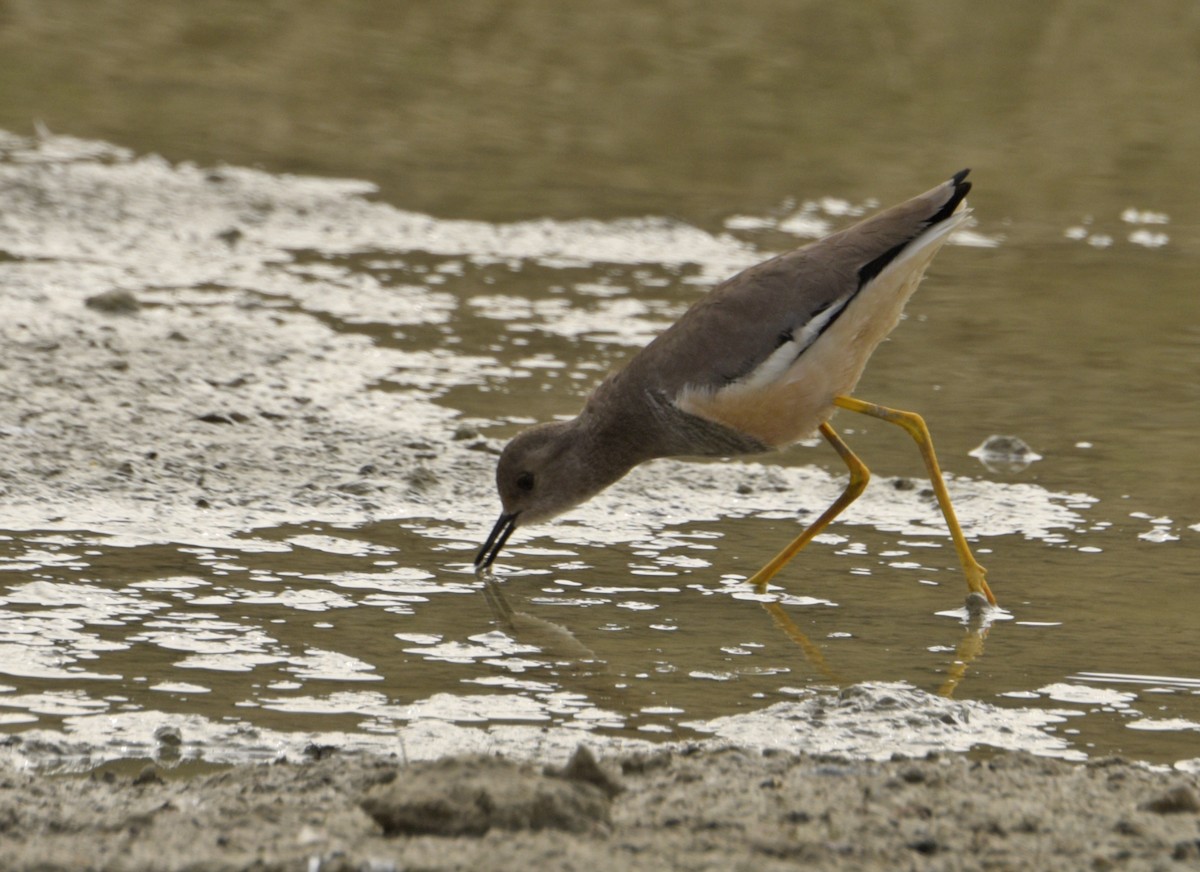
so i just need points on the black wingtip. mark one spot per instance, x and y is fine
(961, 188)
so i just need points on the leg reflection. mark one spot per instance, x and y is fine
(969, 647)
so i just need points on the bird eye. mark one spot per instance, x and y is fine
(525, 481)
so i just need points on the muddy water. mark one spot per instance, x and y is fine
(239, 518)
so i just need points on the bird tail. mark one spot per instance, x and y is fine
(948, 204)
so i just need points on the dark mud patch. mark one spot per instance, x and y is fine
(470, 796)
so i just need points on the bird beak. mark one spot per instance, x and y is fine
(495, 541)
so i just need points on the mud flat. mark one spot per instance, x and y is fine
(674, 809)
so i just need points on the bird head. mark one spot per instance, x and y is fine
(542, 472)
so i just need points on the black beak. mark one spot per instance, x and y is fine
(495, 541)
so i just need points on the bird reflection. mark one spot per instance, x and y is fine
(556, 642)
(970, 645)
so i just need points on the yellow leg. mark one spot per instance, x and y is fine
(859, 475)
(915, 425)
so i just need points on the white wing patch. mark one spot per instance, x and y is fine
(780, 361)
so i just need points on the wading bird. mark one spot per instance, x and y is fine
(760, 362)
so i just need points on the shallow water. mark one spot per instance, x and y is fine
(247, 511)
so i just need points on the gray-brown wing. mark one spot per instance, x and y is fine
(730, 332)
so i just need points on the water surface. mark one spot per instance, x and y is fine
(247, 510)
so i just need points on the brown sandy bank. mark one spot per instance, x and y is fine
(730, 809)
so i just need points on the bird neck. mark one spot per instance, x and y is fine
(606, 443)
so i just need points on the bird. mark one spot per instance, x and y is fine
(760, 362)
